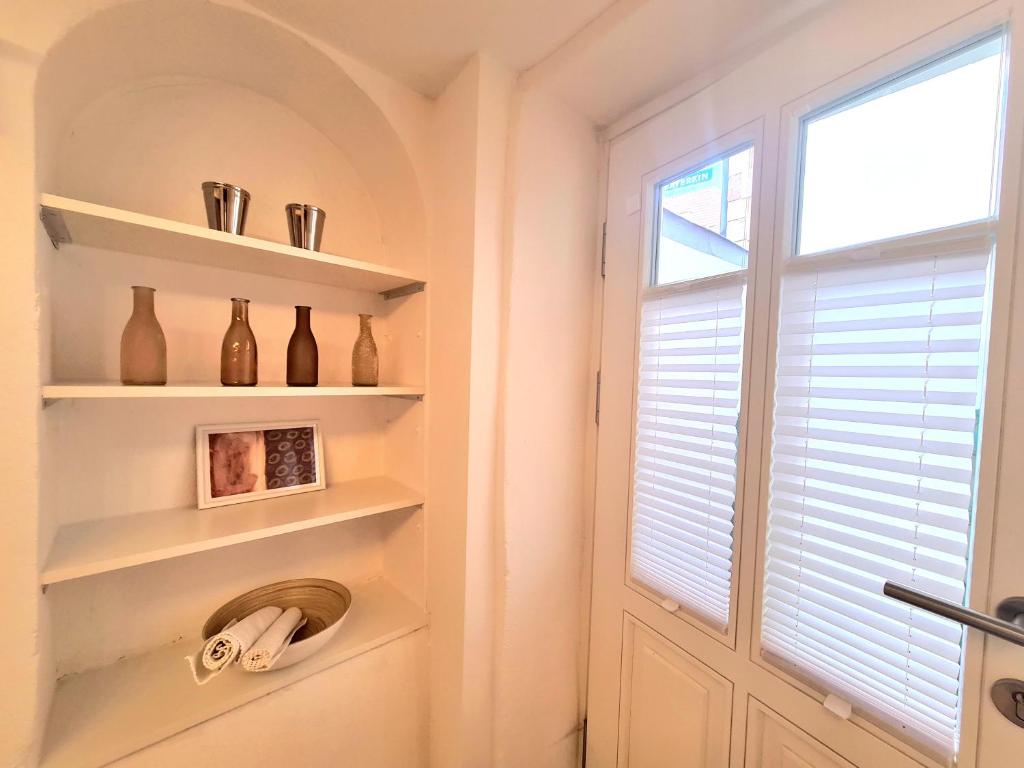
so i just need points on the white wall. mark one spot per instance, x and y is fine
(449, 317)
(465, 295)
(20, 645)
(551, 267)
(495, 90)
(515, 256)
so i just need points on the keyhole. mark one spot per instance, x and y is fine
(1008, 696)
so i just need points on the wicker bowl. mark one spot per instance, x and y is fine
(323, 603)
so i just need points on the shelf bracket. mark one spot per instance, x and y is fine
(403, 290)
(53, 222)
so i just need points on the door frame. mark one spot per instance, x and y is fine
(994, 18)
(915, 34)
(749, 135)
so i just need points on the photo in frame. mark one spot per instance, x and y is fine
(236, 463)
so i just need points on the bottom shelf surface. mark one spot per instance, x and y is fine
(104, 714)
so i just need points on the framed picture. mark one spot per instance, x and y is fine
(248, 462)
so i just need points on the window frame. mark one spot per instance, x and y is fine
(652, 255)
(785, 257)
(835, 105)
(750, 136)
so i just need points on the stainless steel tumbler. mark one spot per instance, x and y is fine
(226, 206)
(305, 225)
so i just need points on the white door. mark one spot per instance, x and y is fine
(808, 388)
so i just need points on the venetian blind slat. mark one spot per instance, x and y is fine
(878, 390)
(684, 487)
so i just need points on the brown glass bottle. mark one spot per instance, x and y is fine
(364, 356)
(303, 358)
(143, 347)
(238, 352)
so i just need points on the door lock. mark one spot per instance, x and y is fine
(1008, 696)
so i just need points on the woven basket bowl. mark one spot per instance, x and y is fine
(323, 603)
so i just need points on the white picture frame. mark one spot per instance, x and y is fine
(224, 453)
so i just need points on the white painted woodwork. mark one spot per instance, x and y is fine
(675, 710)
(115, 391)
(109, 544)
(103, 714)
(372, 726)
(130, 232)
(776, 743)
(769, 94)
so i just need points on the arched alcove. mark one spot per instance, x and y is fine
(135, 106)
(203, 52)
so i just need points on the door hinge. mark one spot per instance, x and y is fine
(604, 245)
(597, 400)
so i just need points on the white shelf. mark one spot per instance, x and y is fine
(113, 390)
(110, 544)
(76, 221)
(102, 715)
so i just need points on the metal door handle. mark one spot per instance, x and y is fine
(1008, 623)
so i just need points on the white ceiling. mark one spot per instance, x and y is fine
(424, 43)
(604, 56)
(624, 60)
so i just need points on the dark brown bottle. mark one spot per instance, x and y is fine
(238, 352)
(303, 358)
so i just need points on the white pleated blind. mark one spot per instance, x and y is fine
(873, 456)
(685, 475)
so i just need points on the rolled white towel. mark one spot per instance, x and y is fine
(230, 643)
(266, 651)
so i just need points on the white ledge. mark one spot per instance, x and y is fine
(107, 713)
(109, 544)
(100, 226)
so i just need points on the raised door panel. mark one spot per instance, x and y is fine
(676, 711)
(776, 743)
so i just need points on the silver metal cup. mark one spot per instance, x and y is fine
(226, 206)
(305, 225)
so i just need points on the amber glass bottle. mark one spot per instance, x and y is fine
(143, 347)
(238, 352)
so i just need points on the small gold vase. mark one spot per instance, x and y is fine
(238, 351)
(364, 356)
